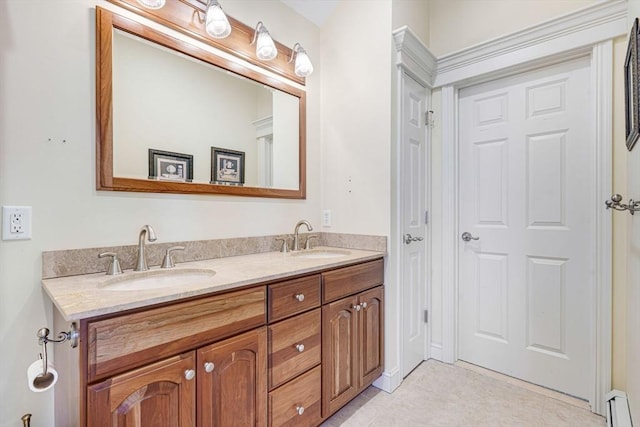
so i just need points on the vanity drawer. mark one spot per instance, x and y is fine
(285, 298)
(285, 358)
(124, 342)
(350, 280)
(299, 395)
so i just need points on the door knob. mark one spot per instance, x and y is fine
(467, 237)
(408, 238)
(209, 367)
(189, 374)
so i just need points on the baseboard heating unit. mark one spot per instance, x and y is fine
(618, 414)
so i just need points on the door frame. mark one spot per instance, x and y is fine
(588, 32)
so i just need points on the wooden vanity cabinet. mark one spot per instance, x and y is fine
(289, 353)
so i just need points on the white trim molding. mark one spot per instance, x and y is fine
(389, 380)
(580, 29)
(588, 31)
(602, 77)
(414, 57)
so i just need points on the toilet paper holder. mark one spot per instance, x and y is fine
(43, 339)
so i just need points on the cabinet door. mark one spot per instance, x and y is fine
(339, 354)
(157, 395)
(370, 331)
(232, 386)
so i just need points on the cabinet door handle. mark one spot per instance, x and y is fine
(189, 374)
(300, 347)
(300, 297)
(209, 367)
(357, 307)
(364, 305)
(300, 409)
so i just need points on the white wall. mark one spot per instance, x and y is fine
(47, 91)
(457, 24)
(356, 132)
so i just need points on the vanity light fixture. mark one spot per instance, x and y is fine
(216, 23)
(153, 4)
(303, 66)
(265, 47)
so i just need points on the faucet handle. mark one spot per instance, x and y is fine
(285, 245)
(167, 262)
(307, 244)
(114, 266)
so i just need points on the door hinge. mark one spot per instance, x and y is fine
(428, 118)
(426, 316)
(426, 217)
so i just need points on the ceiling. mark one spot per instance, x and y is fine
(316, 11)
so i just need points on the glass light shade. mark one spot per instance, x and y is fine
(265, 47)
(153, 4)
(216, 22)
(303, 66)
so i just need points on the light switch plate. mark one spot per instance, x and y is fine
(326, 218)
(16, 222)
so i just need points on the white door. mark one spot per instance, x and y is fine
(412, 176)
(527, 180)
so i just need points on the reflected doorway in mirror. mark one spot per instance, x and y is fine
(227, 166)
(167, 165)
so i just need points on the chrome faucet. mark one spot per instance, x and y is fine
(296, 240)
(146, 233)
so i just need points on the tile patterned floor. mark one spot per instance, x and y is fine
(442, 395)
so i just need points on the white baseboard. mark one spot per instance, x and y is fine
(389, 380)
(436, 351)
(618, 414)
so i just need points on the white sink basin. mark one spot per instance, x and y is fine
(321, 253)
(157, 279)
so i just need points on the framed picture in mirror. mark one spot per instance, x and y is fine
(632, 112)
(167, 165)
(227, 166)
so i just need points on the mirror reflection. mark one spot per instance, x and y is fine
(238, 131)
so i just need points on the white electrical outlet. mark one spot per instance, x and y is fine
(16, 222)
(326, 218)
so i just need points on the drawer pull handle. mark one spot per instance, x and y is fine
(300, 347)
(364, 305)
(209, 367)
(189, 374)
(357, 307)
(300, 410)
(300, 297)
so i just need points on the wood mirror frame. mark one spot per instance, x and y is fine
(106, 22)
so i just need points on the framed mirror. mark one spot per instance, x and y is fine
(174, 117)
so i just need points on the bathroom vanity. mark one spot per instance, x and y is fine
(269, 339)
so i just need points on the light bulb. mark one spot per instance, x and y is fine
(217, 25)
(153, 4)
(265, 47)
(303, 66)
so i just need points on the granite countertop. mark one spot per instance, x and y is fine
(89, 295)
